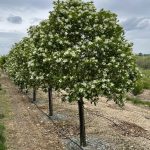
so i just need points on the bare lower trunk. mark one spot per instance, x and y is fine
(50, 101)
(34, 94)
(82, 122)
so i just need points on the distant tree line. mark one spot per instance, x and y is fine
(141, 54)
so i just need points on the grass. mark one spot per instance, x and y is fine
(1, 116)
(146, 79)
(143, 61)
(4, 114)
(4, 104)
(2, 128)
(138, 101)
(143, 83)
(2, 138)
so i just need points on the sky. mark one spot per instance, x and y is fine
(16, 16)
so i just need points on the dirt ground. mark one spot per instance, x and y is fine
(126, 128)
(145, 95)
(107, 125)
(25, 129)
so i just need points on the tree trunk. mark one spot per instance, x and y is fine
(82, 122)
(34, 94)
(26, 90)
(50, 101)
(21, 87)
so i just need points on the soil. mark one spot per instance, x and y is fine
(26, 128)
(107, 125)
(145, 95)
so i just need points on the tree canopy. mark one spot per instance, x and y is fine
(80, 50)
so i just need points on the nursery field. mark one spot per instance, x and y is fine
(143, 63)
(107, 125)
(142, 94)
(146, 78)
(72, 83)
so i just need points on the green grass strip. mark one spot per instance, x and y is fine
(2, 138)
(138, 101)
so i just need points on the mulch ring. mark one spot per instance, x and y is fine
(131, 129)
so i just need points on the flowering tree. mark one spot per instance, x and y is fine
(92, 54)
(79, 50)
(14, 65)
(42, 59)
(17, 64)
(32, 63)
(2, 62)
(30, 78)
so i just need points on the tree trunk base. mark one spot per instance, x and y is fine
(50, 101)
(82, 122)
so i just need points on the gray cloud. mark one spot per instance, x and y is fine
(135, 34)
(1, 19)
(142, 45)
(35, 20)
(136, 23)
(7, 39)
(126, 8)
(11, 34)
(14, 19)
(19, 4)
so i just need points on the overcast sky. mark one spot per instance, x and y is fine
(17, 15)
